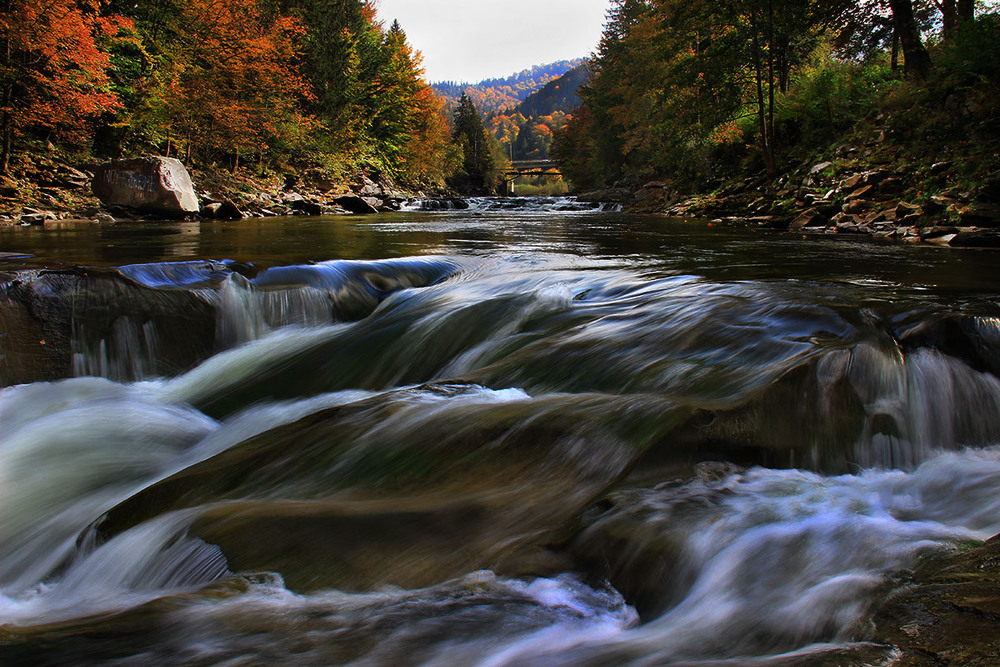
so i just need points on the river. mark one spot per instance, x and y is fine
(482, 437)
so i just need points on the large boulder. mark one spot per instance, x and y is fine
(358, 205)
(155, 184)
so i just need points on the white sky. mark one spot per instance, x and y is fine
(472, 40)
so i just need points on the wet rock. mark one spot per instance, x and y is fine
(939, 235)
(230, 211)
(154, 184)
(769, 221)
(980, 238)
(445, 204)
(99, 315)
(980, 215)
(847, 224)
(369, 508)
(974, 340)
(307, 207)
(947, 612)
(810, 218)
(357, 205)
(34, 217)
(223, 210)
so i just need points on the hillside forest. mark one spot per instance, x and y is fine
(273, 85)
(692, 92)
(695, 92)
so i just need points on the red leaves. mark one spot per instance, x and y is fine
(55, 76)
(234, 85)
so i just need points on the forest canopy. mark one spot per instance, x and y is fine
(276, 83)
(696, 89)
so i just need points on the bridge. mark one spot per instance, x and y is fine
(533, 168)
(529, 168)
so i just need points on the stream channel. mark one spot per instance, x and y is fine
(495, 436)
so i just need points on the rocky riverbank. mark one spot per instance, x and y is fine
(48, 188)
(865, 188)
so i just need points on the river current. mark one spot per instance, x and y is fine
(494, 436)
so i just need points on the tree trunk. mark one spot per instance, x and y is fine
(8, 135)
(894, 60)
(949, 18)
(7, 127)
(966, 11)
(918, 61)
(771, 160)
(766, 146)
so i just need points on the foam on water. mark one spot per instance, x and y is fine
(771, 560)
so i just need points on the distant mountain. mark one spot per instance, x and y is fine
(493, 95)
(557, 95)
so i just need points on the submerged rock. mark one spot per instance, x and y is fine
(384, 492)
(57, 324)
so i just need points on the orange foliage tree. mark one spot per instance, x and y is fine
(53, 75)
(231, 86)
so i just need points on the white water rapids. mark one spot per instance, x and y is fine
(501, 457)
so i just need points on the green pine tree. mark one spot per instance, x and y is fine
(480, 172)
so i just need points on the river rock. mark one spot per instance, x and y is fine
(891, 186)
(357, 205)
(32, 217)
(615, 195)
(308, 207)
(809, 218)
(980, 215)
(229, 211)
(947, 611)
(154, 184)
(978, 238)
(102, 318)
(371, 189)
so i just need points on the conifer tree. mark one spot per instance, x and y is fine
(480, 170)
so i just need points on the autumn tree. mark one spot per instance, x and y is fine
(673, 78)
(235, 89)
(407, 124)
(53, 75)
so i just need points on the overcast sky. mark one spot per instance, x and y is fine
(471, 40)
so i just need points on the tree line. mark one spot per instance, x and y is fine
(280, 84)
(691, 88)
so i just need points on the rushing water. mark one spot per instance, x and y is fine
(481, 437)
